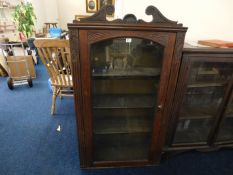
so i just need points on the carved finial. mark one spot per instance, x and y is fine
(157, 15)
(130, 18)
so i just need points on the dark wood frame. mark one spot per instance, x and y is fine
(191, 55)
(87, 31)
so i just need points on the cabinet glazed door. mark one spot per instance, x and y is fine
(126, 77)
(202, 88)
(225, 134)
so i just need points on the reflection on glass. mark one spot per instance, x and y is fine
(189, 131)
(126, 57)
(226, 130)
(205, 90)
(125, 80)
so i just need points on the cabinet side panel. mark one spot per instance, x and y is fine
(76, 73)
(86, 95)
(176, 61)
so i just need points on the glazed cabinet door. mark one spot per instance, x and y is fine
(225, 132)
(128, 76)
(201, 92)
(125, 85)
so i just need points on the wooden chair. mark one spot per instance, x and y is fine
(55, 55)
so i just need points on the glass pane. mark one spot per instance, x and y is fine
(125, 82)
(226, 130)
(189, 131)
(205, 90)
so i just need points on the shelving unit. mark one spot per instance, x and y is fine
(200, 117)
(199, 109)
(126, 90)
(122, 77)
(6, 9)
(8, 28)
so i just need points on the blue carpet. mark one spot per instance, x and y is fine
(30, 144)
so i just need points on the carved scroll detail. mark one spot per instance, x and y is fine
(100, 16)
(159, 37)
(158, 17)
(75, 50)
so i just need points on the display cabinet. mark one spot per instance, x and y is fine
(202, 107)
(124, 74)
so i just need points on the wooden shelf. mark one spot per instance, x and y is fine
(206, 84)
(123, 101)
(212, 72)
(119, 147)
(128, 73)
(125, 86)
(122, 124)
(7, 7)
(198, 112)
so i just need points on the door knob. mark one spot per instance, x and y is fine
(160, 107)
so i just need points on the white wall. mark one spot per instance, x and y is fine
(46, 11)
(67, 10)
(51, 11)
(204, 18)
(40, 13)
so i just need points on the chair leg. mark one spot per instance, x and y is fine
(61, 97)
(54, 100)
